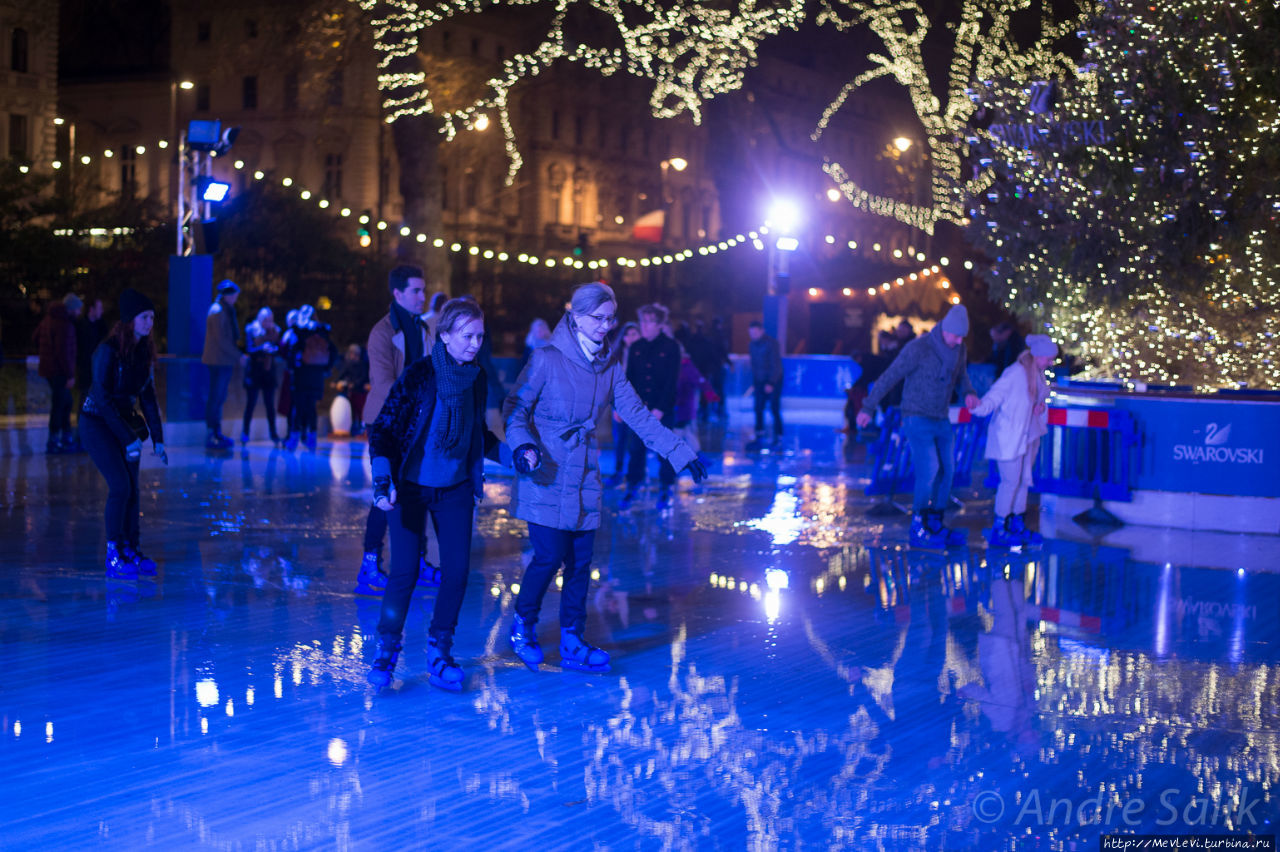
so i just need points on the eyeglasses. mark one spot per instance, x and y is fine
(611, 319)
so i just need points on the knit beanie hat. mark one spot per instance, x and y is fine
(1042, 346)
(956, 321)
(133, 303)
(72, 302)
(227, 286)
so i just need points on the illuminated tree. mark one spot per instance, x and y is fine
(1137, 220)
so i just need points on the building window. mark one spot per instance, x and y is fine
(204, 31)
(18, 133)
(291, 90)
(250, 28)
(202, 97)
(335, 88)
(19, 51)
(128, 171)
(249, 92)
(332, 176)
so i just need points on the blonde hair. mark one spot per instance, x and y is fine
(1034, 379)
(455, 312)
(588, 297)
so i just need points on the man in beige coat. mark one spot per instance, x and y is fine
(395, 342)
(221, 355)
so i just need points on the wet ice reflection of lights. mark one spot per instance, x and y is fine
(337, 751)
(772, 604)
(248, 696)
(48, 732)
(783, 524)
(17, 729)
(207, 692)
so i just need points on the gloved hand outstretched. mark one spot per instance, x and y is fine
(157, 449)
(527, 458)
(133, 451)
(384, 493)
(697, 469)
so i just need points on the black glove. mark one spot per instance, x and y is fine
(521, 463)
(697, 469)
(381, 488)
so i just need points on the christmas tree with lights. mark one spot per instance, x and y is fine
(1134, 212)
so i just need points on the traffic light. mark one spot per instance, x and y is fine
(580, 248)
(363, 232)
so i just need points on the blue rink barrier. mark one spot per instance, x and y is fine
(892, 471)
(1088, 453)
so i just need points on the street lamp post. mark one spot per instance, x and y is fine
(783, 222)
(668, 165)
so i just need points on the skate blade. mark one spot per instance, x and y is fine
(447, 686)
(583, 667)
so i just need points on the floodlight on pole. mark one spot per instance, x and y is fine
(211, 190)
(784, 216)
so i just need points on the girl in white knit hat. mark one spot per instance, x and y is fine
(1019, 400)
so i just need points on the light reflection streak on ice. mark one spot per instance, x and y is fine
(805, 511)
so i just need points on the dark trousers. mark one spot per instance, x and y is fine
(219, 381)
(122, 479)
(59, 408)
(452, 512)
(551, 549)
(774, 401)
(375, 530)
(638, 458)
(621, 444)
(269, 402)
(305, 401)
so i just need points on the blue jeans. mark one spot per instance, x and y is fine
(932, 443)
(219, 380)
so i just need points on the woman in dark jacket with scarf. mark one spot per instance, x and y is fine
(112, 430)
(428, 447)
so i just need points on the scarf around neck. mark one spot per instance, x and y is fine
(453, 383)
(408, 323)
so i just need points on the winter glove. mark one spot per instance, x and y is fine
(133, 451)
(697, 469)
(158, 450)
(522, 462)
(384, 493)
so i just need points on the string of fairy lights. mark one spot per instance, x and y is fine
(1174, 280)
(755, 238)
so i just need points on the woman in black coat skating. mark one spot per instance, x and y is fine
(428, 447)
(112, 429)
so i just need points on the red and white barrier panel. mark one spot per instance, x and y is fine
(1086, 417)
(1063, 618)
(959, 414)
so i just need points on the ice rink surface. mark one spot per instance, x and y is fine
(787, 675)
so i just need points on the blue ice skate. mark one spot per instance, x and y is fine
(370, 580)
(578, 655)
(524, 641)
(1001, 534)
(444, 672)
(384, 665)
(1018, 526)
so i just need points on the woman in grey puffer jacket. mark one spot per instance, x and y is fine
(553, 410)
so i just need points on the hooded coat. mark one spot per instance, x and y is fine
(554, 406)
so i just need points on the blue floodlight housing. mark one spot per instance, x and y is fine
(211, 190)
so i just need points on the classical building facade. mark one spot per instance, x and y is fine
(28, 82)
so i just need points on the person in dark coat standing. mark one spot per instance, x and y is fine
(262, 338)
(311, 356)
(56, 343)
(653, 369)
(221, 355)
(428, 446)
(112, 429)
(766, 381)
(711, 359)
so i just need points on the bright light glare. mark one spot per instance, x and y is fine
(833, 194)
(784, 215)
(902, 143)
(787, 244)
